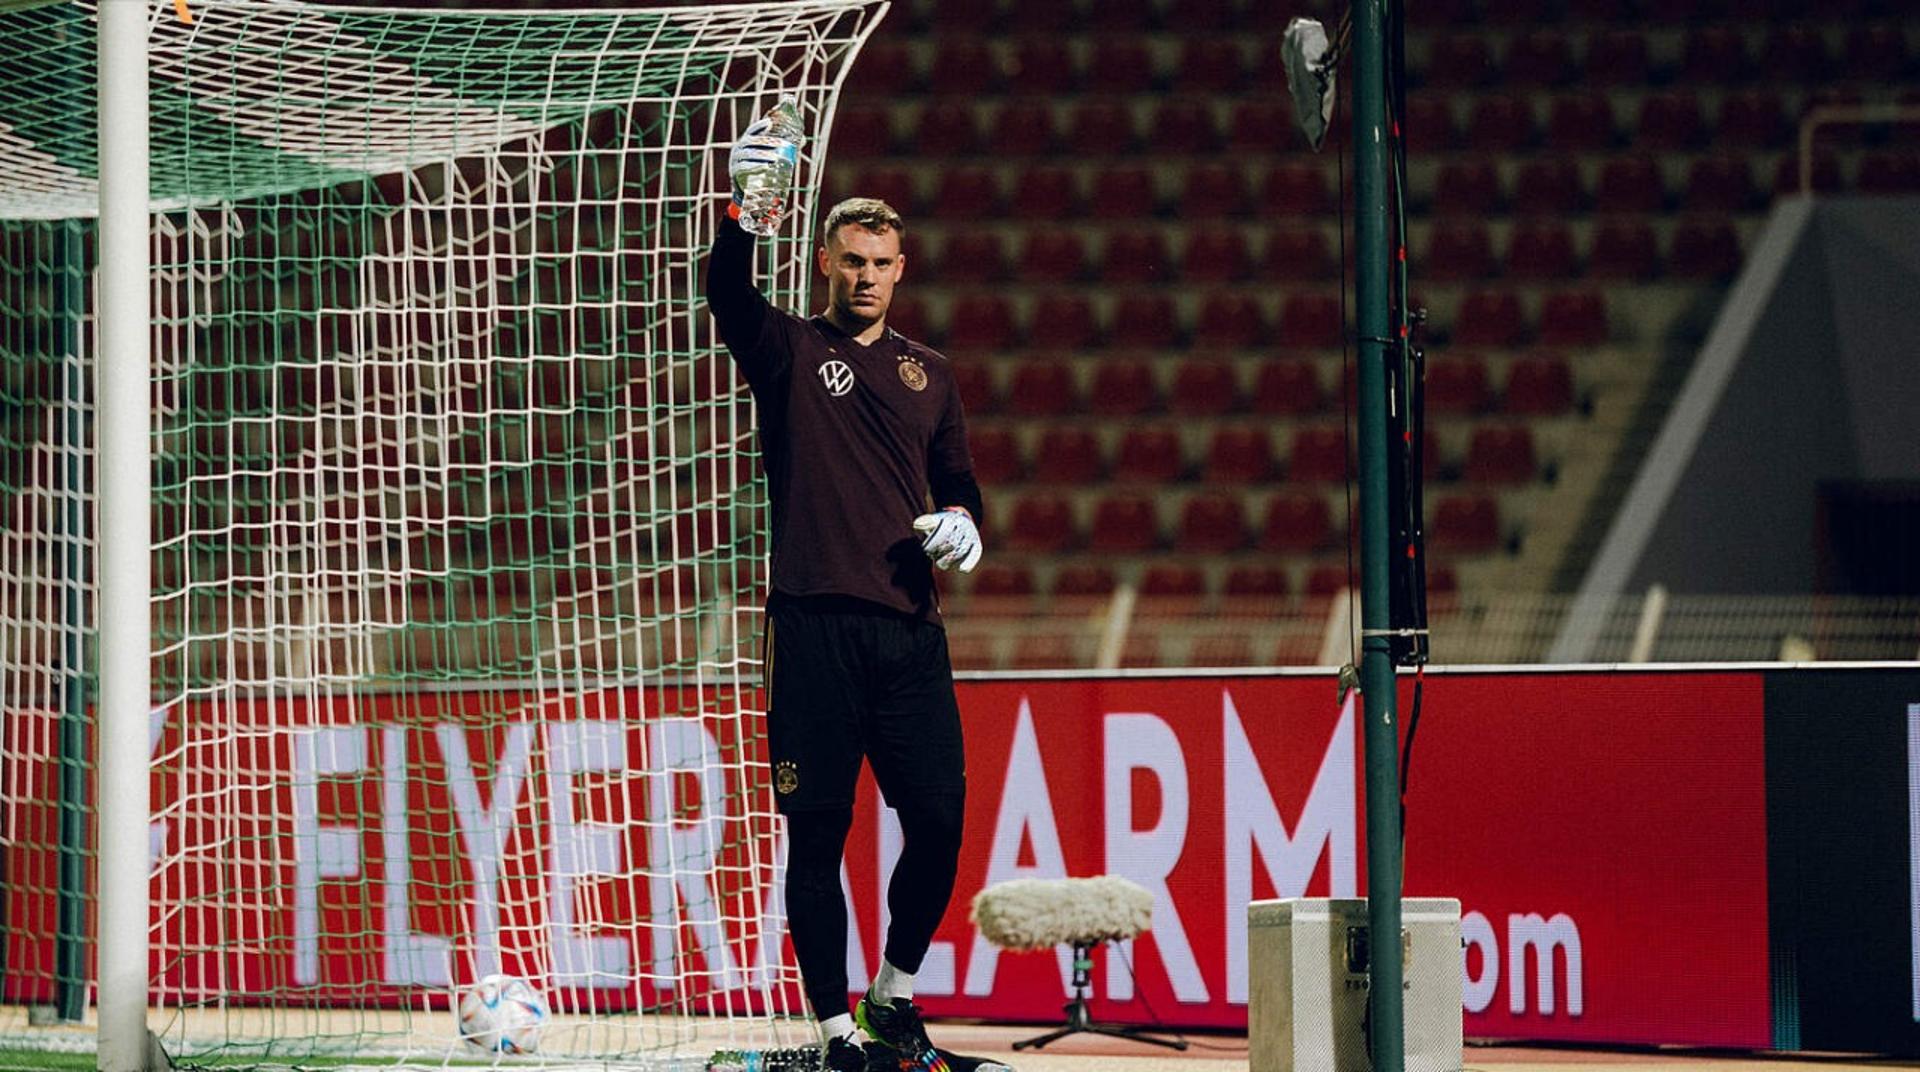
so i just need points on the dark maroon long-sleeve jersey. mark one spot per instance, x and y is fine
(853, 439)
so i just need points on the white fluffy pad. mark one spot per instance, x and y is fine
(1032, 913)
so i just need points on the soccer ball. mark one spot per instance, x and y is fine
(502, 1014)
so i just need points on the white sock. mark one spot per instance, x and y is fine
(890, 982)
(834, 1027)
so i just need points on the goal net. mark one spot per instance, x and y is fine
(457, 532)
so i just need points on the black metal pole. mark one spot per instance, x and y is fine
(1373, 300)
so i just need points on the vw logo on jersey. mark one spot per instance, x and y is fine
(837, 376)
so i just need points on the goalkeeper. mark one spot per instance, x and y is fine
(860, 428)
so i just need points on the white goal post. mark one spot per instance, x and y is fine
(424, 519)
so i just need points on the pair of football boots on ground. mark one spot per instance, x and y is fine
(900, 1043)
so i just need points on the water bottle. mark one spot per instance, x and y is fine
(763, 163)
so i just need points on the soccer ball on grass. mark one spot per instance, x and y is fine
(502, 1014)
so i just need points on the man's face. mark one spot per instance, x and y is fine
(861, 267)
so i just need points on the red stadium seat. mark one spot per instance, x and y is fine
(1123, 388)
(1053, 257)
(1541, 249)
(1040, 523)
(971, 257)
(1068, 455)
(893, 185)
(1210, 65)
(1215, 190)
(1046, 651)
(1580, 122)
(1001, 580)
(1126, 18)
(1501, 454)
(945, 127)
(1297, 190)
(1207, 16)
(1797, 53)
(1826, 173)
(1462, 249)
(1430, 125)
(1149, 454)
(1221, 649)
(1540, 58)
(1548, 186)
(1216, 256)
(1286, 387)
(1184, 126)
(1042, 65)
(1212, 523)
(1251, 586)
(964, 16)
(1299, 254)
(908, 316)
(1261, 125)
(1630, 184)
(1037, 19)
(1705, 249)
(1720, 184)
(1238, 455)
(1457, 383)
(1042, 389)
(1877, 52)
(885, 69)
(1540, 385)
(1135, 257)
(1574, 318)
(980, 322)
(862, 131)
(1145, 322)
(1022, 127)
(1205, 387)
(1329, 580)
(1047, 192)
(1124, 524)
(1171, 590)
(1618, 58)
(1715, 56)
(1889, 173)
(1319, 455)
(1123, 194)
(1101, 127)
(975, 383)
(1296, 523)
(1754, 119)
(962, 67)
(1081, 587)
(1465, 524)
(1062, 322)
(967, 193)
(1624, 249)
(1500, 123)
(1467, 188)
(1460, 61)
(1311, 321)
(1229, 321)
(1490, 318)
(1120, 65)
(1669, 122)
(996, 454)
(968, 650)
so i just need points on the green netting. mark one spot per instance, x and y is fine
(457, 531)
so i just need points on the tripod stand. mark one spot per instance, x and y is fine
(1076, 1010)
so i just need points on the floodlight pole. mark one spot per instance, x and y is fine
(1373, 297)
(121, 423)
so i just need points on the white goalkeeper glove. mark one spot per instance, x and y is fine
(950, 538)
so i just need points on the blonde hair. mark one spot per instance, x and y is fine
(869, 212)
